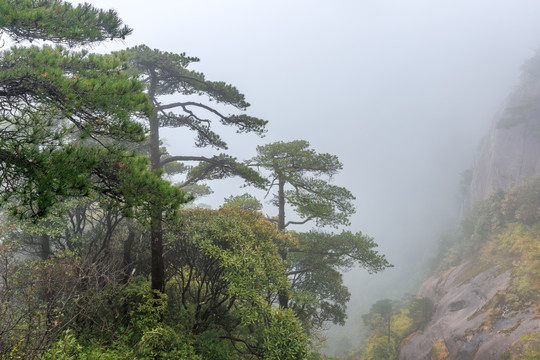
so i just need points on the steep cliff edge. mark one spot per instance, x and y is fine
(472, 319)
(487, 299)
(511, 151)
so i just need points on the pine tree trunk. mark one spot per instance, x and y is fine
(158, 265)
(45, 251)
(156, 233)
(282, 295)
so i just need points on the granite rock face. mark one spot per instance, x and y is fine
(511, 151)
(461, 324)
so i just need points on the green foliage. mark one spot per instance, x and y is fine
(391, 322)
(170, 76)
(224, 268)
(402, 323)
(167, 74)
(90, 90)
(520, 205)
(315, 267)
(143, 337)
(244, 201)
(378, 348)
(163, 343)
(284, 338)
(235, 250)
(300, 178)
(68, 172)
(342, 251)
(517, 247)
(294, 164)
(54, 175)
(380, 315)
(146, 308)
(66, 348)
(503, 231)
(219, 167)
(59, 21)
(142, 190)
(50, 97)
(157, 343)
(212, 347)
(66, 119)
(527, 348)
(421, 310)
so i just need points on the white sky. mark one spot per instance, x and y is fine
(401, 90)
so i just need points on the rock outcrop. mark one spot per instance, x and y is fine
(466, 325)
(511, 151)
(476, 316)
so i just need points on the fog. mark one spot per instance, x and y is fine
(401, 91)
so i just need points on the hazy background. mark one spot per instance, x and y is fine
(402, 91)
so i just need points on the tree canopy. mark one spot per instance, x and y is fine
(56, 105)
(59, 22)
(314, 265)
(294, 165)
(223, 267)
(196, 106)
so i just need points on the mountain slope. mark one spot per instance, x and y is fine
(487, 287)
(479, 315)
(511, 151)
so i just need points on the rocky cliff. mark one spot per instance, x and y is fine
(510, 152)
(468, 324)
(487, 306)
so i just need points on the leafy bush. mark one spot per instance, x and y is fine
(391, 322)
(490, 217)
(284, 338)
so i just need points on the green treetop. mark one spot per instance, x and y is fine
(59, 22)
(196, 105)
(51, 98)
(63, 112)
(223, 265)
(299, 173)
(380, 316)
(244, 201)
(315, 267)
(300, 178)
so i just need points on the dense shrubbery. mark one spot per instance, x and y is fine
(490, 218)
(224, 271)
(389, 323)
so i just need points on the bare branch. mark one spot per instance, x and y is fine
(309, 218)
(189, 158)
(184, 105)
